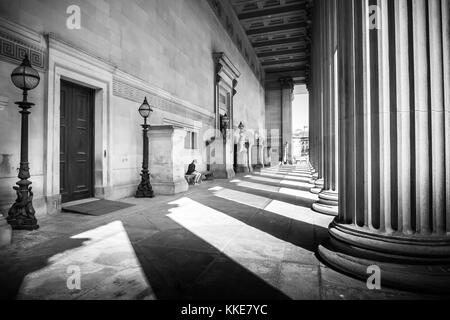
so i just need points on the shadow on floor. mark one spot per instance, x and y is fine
(13, 270)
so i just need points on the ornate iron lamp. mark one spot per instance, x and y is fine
(145, 189)
(225, 124)
(21, 216)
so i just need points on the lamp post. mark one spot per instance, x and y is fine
(21, 216)
(145, 189)
(259, 164)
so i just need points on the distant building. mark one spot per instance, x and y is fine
(300, 142)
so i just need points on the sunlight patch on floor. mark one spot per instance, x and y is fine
(301, 184)
(296, 184)
(255, 250)
(216, 188)
(299, 193)
(105, 262)
(287, 191)
(243, 198)
(271, 175)
(284, 209)
(257, 186)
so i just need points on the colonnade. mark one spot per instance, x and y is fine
(380, 139)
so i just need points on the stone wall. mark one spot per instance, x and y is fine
(159, 49)
(279, 120)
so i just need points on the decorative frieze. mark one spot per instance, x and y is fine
(132, 92)
(13, 50)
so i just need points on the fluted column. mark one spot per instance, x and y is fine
(393, 144)
(328, 197)
(319, 82)
(445, 5)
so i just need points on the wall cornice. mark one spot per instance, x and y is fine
(228, 19)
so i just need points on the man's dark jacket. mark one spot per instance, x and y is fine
(191, 169)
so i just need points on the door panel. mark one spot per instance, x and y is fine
(76, 164)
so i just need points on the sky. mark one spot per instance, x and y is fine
(300, 112)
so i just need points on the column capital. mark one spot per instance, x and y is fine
(286, 83)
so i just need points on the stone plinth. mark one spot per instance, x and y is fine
(221, 155)
(242, 161)
(257, 157)
(165, 160)
(267, 156)
(5, 232)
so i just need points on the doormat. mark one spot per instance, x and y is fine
(98, 207)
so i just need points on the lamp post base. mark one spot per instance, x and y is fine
(142, 193)
(21, 216)
(145, 189)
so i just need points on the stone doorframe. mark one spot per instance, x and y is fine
(69, 63)
(226, 75)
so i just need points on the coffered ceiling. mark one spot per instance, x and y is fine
(278, 30)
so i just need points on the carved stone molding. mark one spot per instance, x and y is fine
(129, 91)
(231, 24)
(225, 70)
(13, 50)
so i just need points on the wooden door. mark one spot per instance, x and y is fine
(76, 142)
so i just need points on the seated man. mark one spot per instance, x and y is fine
(195, 173)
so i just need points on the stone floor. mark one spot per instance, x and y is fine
(253, 237)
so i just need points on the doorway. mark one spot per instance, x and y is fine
(76, 142)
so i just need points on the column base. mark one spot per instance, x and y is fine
(257, 167)
(224, 173)
(318, 186)
(328, 203)
(409, 263)
(170, 187)
(242, 169)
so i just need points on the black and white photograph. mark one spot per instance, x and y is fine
(206, 151)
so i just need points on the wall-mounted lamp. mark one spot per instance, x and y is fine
(224, 124)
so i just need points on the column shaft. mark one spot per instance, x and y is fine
(393, 103)
(446, 70)
(328, 197)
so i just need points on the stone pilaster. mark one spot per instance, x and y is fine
(393, 106)
(287, 96)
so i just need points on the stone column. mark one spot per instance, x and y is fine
(319, 95)
(445, 9)
(392, 106)
(328, 197)
(167, 168)
(287, 95)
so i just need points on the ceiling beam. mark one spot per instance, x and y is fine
(272, 11)
(298, 72)
(279, 53)
(282, 62)
(284, 27)
(276, 42)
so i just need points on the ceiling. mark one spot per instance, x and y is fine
(278, 31)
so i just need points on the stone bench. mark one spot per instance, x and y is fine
(190, 178)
